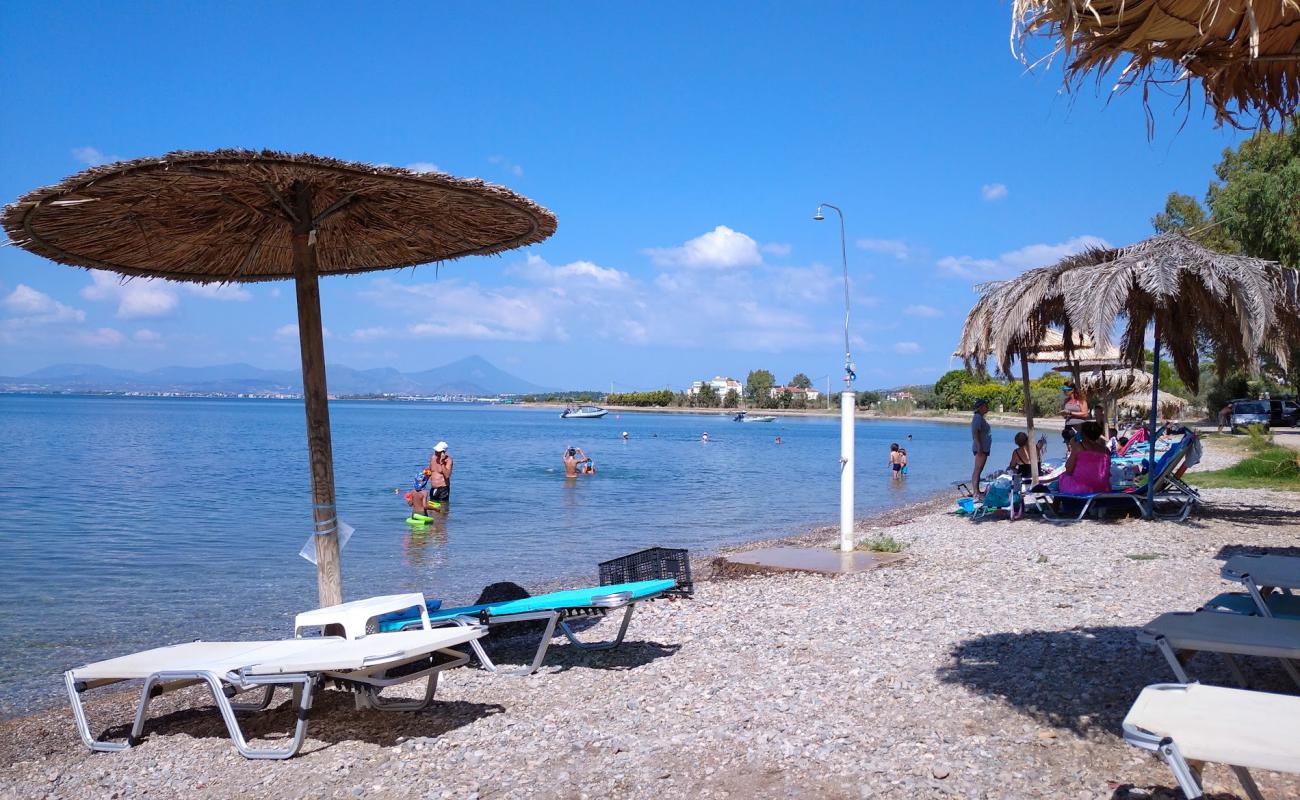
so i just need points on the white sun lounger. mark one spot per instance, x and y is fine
(364, 666)
(1195, 723)
(1228, 635)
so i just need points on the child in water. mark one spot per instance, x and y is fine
(902, 452)
(418, 497)
(895, 460)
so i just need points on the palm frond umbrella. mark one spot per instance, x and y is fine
(1187, 293)
(233, 216)
(1245, 53)
(1018, 319)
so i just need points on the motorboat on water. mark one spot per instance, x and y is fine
(583, 412)
(744, 416)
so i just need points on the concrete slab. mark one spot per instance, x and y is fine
(823, 561)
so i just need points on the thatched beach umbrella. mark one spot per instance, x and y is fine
(234, 216)
(1188, 294)
(1245, 53)
(1170, 406)
(1016, 319)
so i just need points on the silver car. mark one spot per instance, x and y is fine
(1249, 412)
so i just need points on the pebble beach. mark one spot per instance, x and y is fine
(997, 659)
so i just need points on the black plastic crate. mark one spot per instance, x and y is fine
(655, 563)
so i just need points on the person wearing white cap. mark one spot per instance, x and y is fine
(440, 465)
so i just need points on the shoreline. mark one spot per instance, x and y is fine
(1000, 420)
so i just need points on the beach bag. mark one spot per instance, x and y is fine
(998, 494)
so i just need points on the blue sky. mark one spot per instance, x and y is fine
(684, 148)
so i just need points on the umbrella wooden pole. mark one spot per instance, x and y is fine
(329, 576)
(1029, 420)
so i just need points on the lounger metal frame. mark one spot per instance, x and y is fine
(1188, 777)
(1178, 657)
(1246, 579)
(553, 618)
(224, 686)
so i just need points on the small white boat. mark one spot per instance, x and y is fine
(584, 412)
(745, 417)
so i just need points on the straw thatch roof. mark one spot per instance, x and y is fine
(1116, 382)
(1170, 405)
(228, 216)
(1242, 304)
(1081, 353)
(1246, 53)
(1019, 316)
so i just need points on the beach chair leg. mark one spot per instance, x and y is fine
(1235, 669)
(1174, 661)
(261, 705)
(622, 631)
(372, 699)
(1248, 783)
(1257, 596)
(1188, 778)
(83, 725)
(538, 657)
(303, 689)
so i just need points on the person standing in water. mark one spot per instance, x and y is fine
(895, 460)
(573, 456)
(902, 453)
(440, 466)
(981, 443)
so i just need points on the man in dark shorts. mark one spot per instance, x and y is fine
(440, 466)
(981, 444)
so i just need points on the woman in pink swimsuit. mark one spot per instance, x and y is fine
(1087, 470)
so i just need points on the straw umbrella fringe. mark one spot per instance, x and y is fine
(1246, 53)
(1242, 304)
(227, 216)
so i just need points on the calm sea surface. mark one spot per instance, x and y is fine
(131, 523)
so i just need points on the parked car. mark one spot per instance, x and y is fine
(1250, 412)
(1283, 413)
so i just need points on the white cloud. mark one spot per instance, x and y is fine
(720, 248)
(922, 311)
(27, 306)
(778, 248)
(219, 291)
(907, 348)
(91, 156)
(894, 247)
(423, 166)
(275, 291)
(147, 336)
(136, 299)
(1017, 261)
(507, 165)
(993, 191)
(101, 337)
(536, 269)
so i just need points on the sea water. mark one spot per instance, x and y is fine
(128, 523)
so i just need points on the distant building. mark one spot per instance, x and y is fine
(807, 394)
(720, 386)
(896, 396)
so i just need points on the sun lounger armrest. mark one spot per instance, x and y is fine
(611, 600)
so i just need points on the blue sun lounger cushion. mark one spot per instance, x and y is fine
(554, 601)
(552, 609)
(1282, 606)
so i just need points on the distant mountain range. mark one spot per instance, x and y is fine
(472, 376)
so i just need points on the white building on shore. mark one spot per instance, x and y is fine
(720, 386)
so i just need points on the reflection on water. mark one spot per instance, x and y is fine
(198, 502)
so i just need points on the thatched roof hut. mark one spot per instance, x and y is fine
(227, 216)
(1246, 53)
(1170, 405)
